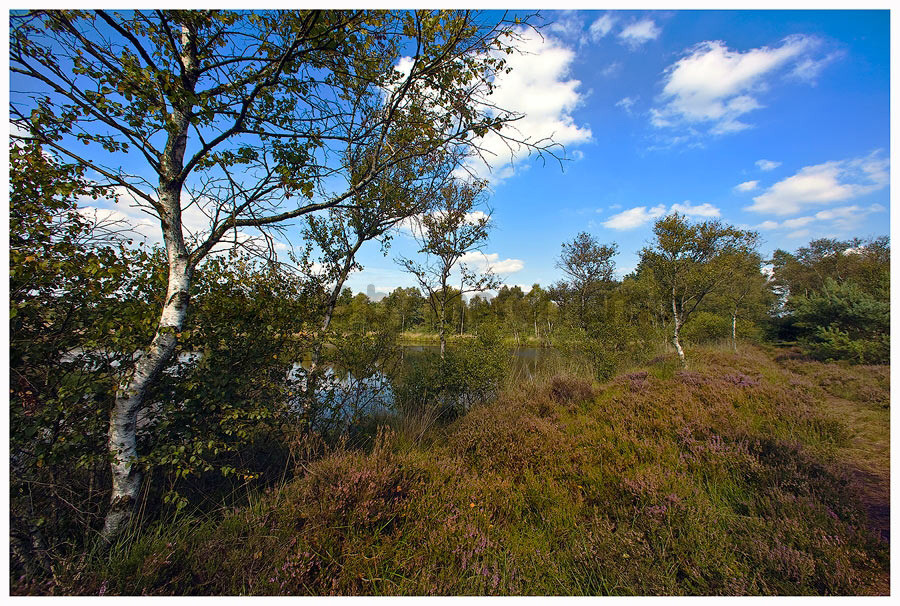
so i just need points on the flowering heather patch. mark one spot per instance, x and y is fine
(570, 389)
(637, 381)
(742, 476)
(741, 380)
(693, 378)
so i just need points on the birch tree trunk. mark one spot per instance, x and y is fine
(130, 397)
(676, 339)
(132, 392)
(734, 330)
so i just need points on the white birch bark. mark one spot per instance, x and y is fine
(676, 338)
(132, 393)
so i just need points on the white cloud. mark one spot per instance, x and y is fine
(626, 103)
(634, 217)
(567, 24)
(767, 165)
(716, 86)
(839, 219)
(639, 32)
(143, 225)
(491, 261)
(141, 228)
(601, 26)
(747, 186)
(412, 226)
(847, 212)
(697, 210)
(475, 216)
(798, 222)
(808, 69)
(539, 87)
(823, 184)
(800, 234)
(641, 215)
(612, 69)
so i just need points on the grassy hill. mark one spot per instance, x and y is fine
(750, 473)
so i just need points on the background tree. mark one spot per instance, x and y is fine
(405, 305)
(509, 305)
(589, 268)
(401, 192)
(244, 114)
(690, 261)
(538, 301)
(842, 321)
(834, 298)
(453, 229)
(748, 289)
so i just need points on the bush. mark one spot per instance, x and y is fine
(844, 322)
(706, 327)
(472, 371)
(353, 385)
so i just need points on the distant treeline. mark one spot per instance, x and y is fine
(831, 296)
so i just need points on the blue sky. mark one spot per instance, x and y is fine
(772, 120)
(777, 121)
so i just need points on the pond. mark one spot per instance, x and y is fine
(344, 397)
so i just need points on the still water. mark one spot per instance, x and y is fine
(351, 396)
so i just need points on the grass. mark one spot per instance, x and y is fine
(753, 473)
(432, 338)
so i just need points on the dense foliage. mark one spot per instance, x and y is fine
(237, 408)
(835, 298)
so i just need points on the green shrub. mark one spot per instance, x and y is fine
(707, 327)
(472, 371)
(844, 322)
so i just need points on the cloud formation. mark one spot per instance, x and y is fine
(602, 26)
(483, 262)
(141, 225)
(840, 219)
(767, 165)
(808, 69)
(639, 33)
(542, 66)
(713, 87)
(626, 103)
(695, 210)
(641, 215)
(824, 184)
(746, 186)
(634, 217)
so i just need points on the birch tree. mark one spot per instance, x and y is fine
(246, 117)
(690, 261)
(400, 193)
(746, 288)
(589, 267)
(454, 228)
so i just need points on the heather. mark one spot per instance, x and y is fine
(755, 473)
